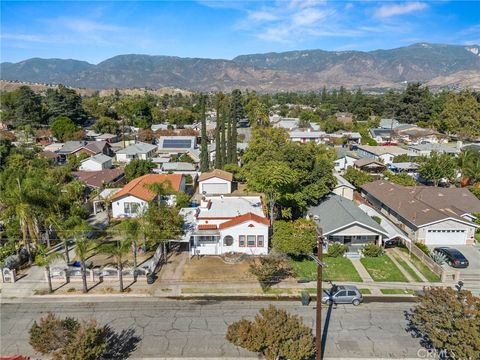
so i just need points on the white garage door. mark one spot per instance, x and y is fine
(215, 188)
(446, 237)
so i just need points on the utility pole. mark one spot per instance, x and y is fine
(318, 337)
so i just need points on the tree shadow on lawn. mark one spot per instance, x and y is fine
(120, 345)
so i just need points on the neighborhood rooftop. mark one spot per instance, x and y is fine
(423, 205)
(137, 148)
(139, 187)
(335, 212)
(230, 207)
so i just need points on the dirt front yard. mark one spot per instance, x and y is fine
(213, 268)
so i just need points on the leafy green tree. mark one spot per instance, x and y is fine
(118, 250)
(274, 334)
(269, 270)
(357, 177)
(64, 102)
(448, 320)
(44, 259)
(137, 168)
(219, 132)
(106, 125)
(461, 115)
(28, 107)
(415, 104)
(297, 237)
(436, 167)
(63, 128)
(400, 179)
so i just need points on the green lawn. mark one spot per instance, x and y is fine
(477, 236)
(429, 274)
(365, 291)
(407, 268)
(397, 291)
(382, 269)
(338, 269)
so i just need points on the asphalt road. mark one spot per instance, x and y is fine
(196, 329)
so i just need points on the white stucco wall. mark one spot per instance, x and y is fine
(214, 180)
(344, 191)
(90, 165)
(118, 206)
(246, 228)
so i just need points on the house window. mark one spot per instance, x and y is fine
(241, 240)
(251, 240)
(228, 240)
(131, 207)
(260, 240)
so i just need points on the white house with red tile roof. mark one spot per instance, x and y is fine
(132, 200)
(223, 224)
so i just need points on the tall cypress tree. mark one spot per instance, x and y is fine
(236, 114)
(218, 134)
(204, 163)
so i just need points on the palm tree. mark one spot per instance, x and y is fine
(118, 250)
(83, 249)
(43, 258)
(132, 230)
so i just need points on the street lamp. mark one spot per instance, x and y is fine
(320, 265)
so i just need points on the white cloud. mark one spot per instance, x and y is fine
(262, 16)
(386, 11)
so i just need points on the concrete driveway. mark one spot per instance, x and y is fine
(472, 272)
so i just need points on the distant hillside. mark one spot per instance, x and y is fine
(440, 65)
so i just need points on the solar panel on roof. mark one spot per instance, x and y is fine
(177, 143)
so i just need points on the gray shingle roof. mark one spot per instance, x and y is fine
(99, 158)
(336, 212)
(138, 148)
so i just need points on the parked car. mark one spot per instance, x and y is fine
(454, 258)
(343, 294)
(391, 243)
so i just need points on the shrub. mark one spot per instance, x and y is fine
(51, 333)
(372, 250)
(89, 342)
(275, 334)
(423, 247)
(438, 258)
(336, 249)
(269, 270)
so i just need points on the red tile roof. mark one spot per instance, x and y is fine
(138, 187)
(225, 175)
(243, 218)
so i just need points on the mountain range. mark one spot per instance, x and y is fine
(437, 65)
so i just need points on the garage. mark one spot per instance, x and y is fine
(446, 237)
(214, 188)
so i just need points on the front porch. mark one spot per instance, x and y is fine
(205, 242)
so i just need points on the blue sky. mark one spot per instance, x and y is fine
(95, 31)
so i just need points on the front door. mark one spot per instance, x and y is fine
(347, 240)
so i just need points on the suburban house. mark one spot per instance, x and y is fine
(227, 224)
(417, 135)
(84, 147)
(427, 148)
(137, 151)
(409, 168)
(215, 182)
(134, 197)
(285, 123)
(344, 222)
(96, 162)
(51, 156)
(385, 154)
(178, 167)
(430, 215)
(343, 187)
(381, 135)
(344, 117)
(176, 144)
(389, 123)
(345, 158)
(307, 136)
(370, 166)
(110, 138)
(101, 178)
